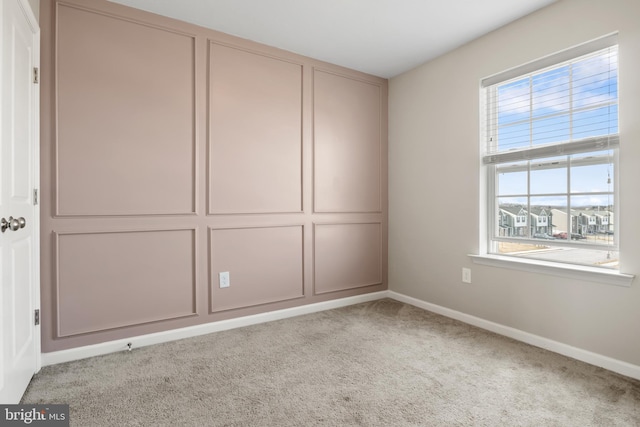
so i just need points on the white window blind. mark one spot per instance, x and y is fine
(566, 108)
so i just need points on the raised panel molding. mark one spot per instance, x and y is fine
(347, 256)
(347, 143)
(114, 279)
(125, 104)
(265, 265)
(21, 252)
(255, 132)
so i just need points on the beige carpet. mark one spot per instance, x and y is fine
(382, 363)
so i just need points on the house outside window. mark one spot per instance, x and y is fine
(550, 150)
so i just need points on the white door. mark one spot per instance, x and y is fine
(19, 253)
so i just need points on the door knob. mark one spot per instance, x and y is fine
(12, 223)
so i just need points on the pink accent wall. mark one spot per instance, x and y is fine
(247, 253)
(104, 282)
(359, 263)
(171, 153)
(125, 111)
(255, 132)
(347, 157)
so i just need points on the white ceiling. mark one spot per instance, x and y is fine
(380, 37)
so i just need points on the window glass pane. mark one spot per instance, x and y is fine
(595, 201)
(551, 129)
(512, 179)
(543, 220)
(549, 176)
(512, 217)
(524, 250)
(514, 101)
(597, 122)
(513, 136)
(593, 219)
(595, 79)
(550, 92)
(557, 216)
(592, 173)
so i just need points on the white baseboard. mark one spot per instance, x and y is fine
(207, 328)
(606, 362)
(77, 353)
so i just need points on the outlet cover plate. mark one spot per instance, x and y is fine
(225, 281)
(466, 275)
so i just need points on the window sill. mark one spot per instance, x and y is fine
(591, 274)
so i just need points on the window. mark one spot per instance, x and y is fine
(550, 150)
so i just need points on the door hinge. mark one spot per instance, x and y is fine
(35, 196)
(37, 317)
(36, 75)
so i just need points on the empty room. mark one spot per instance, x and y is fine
(342, 212)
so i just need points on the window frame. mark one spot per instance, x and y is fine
(491, 225)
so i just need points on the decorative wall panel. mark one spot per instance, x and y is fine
(347, 144)
(172, 152)
(255, 132)
(115, 279)
(264, 265)
(347, 256)
(125, 115)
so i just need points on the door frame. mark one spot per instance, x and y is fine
(35, 164)
(25, 5)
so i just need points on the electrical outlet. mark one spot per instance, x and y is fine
(225, 281)
(466, 275)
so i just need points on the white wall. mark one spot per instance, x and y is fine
(35, 6)
(434, 188)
